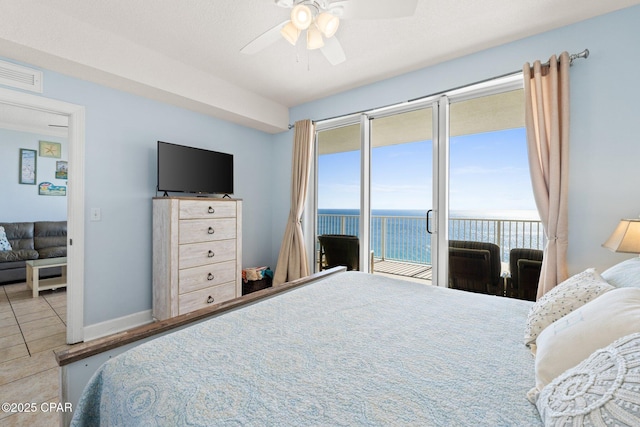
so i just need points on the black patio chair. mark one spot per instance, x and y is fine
(339, 249)
(525, 266)
(475, 267)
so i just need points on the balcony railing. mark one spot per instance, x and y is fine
(405, 238)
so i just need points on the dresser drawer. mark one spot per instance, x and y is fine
(206, 230)
(193, 279)
(197, 254)
(205, 297)
(200, 209)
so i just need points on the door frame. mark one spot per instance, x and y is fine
(75, 199)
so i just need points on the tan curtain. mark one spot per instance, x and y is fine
(292, 260)
(547, 121)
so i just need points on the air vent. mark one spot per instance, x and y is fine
(20, 77)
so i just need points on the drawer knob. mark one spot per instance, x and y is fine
(211, 210)
(210, 230)
(210, 254)
(210, 277)
(210, 299)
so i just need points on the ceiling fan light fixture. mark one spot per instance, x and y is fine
(301, 16)
(290, 33)
(314, 38)
(327, 24)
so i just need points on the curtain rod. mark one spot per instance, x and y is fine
(580, 55)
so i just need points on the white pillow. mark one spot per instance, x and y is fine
(4, 243)
(574, 292)
(606, 386)
(570, 340)
(625, 274)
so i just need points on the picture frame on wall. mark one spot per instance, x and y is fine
(28, 164)
(48, 189)
(61, 170)
(50, 149)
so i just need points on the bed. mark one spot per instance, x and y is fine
(351, 349)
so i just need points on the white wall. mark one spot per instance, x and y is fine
(21, 202)
(604, 112)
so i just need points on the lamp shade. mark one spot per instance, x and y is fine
(301, 16)
(314, 38)
(291, 33)
(327, 23)
(625, 238)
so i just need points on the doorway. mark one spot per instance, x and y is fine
(75, 200)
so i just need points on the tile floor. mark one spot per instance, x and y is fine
(30, 330)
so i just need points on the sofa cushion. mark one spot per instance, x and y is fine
(50, 238)
(4, 243)
(19, 234)
(19, 255)
(10, 265)
(56, 252)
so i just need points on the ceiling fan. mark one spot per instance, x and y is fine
(321, 18)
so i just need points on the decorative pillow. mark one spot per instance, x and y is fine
(570, 340)
(625, 274)
(574, 292)
(603, 389)
(4, 243)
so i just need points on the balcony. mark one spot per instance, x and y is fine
(401, 245)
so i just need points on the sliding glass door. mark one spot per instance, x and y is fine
(374, 181)
(490, 187)
(404, 179)
(401, 192)
(338, 188)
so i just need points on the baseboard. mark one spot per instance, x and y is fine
(102, 329)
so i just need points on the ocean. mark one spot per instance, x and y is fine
(401, 235)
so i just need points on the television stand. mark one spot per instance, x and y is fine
(226, 196)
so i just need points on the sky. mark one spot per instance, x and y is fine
(488, 171)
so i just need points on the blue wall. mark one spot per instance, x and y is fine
(121, 134)
(604, 110)
(21, 202)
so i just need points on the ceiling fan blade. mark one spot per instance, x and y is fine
(332, 50)
(373, 9)
(263, 40)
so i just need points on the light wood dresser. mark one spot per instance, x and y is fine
(197, 253)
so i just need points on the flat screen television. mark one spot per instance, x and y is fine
(193, 170)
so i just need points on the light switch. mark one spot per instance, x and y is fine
(96, 215)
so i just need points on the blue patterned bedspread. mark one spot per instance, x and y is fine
(351, 350)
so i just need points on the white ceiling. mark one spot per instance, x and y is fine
(187, 52)
(34, 121)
